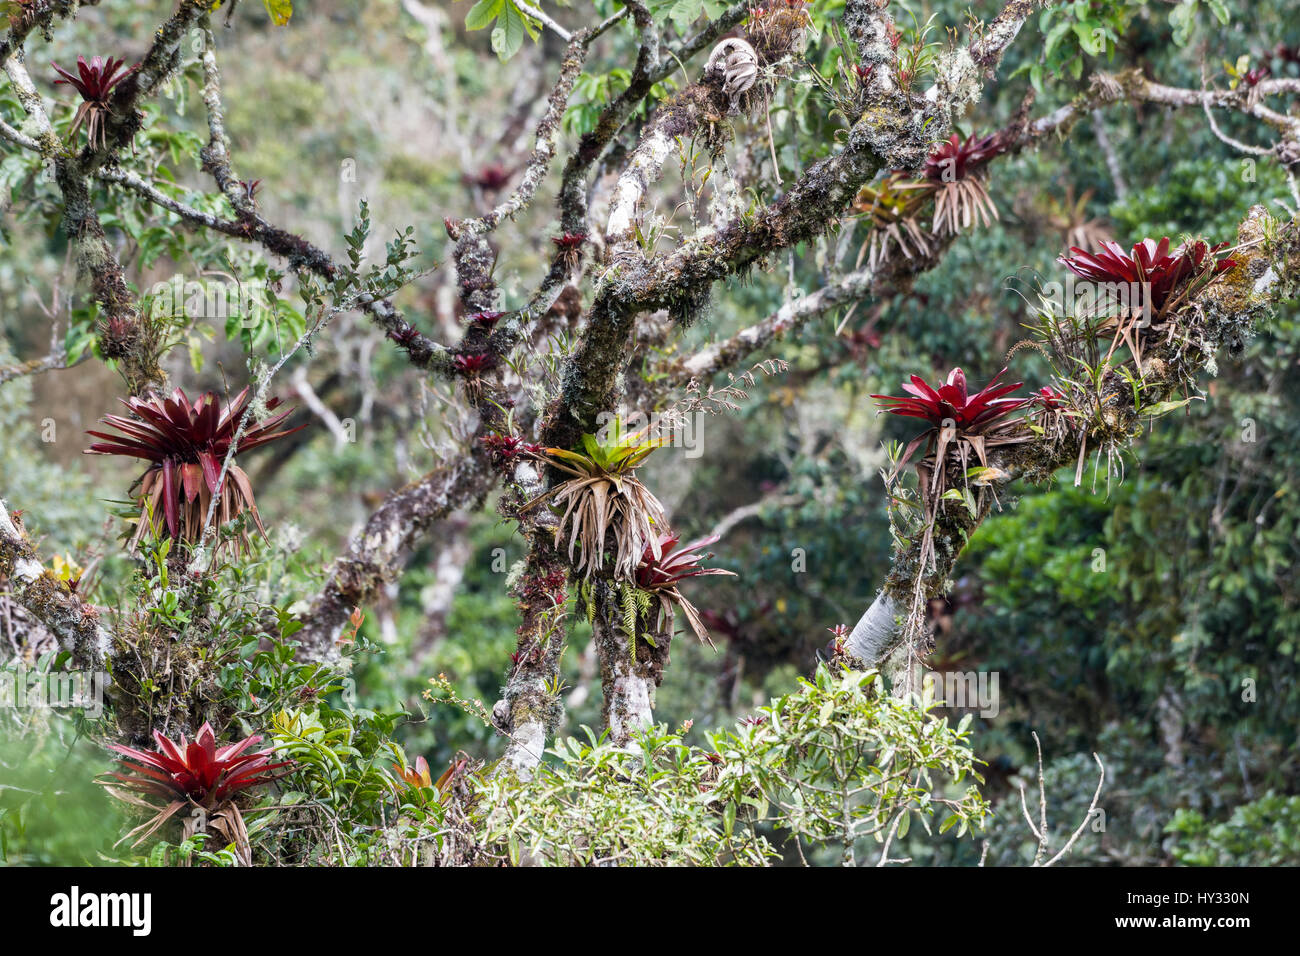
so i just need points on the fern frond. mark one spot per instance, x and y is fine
(627, 597)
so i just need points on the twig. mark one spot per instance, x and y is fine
(1092, 806)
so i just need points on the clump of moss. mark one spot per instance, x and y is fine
(162, 681)
(777, 33)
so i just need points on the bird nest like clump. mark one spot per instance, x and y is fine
(747, 67)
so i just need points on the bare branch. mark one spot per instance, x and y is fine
(791, 317)
(376, 555)
(1092, 808)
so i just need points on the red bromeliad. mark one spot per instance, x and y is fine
(569, 249)
(1252, 77)
(118, 336)
(471, 366)
(952, 177)
(674, 564)
(506, 448)
(1168, 279)
(661, 576)
(958, 420)
(405, 335)
(196, 773)
(952, 402)
(1047, 397)
(953, 170)
(186, 445)
(492, 177)
(956, 157)
(472, 363)
(95, 82)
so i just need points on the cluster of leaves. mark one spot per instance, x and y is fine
(345, 794)
(1074, 32)
(1184, 17)
(347, 801)
(512, 25)
(593, 91)
(683, 13)
(836, 763)
(951, 180)
(1127, 301)
(1265, 832)
(350, 782)
(1211, 187)
(1077, 33)
(350, 796)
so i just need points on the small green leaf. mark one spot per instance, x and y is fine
(1057, 33)
(1089, 41)
(686, 12)
(1036, 77)
(985, 476)
(1164, 408)
(508, 36)
(279, 10)
(483, 13)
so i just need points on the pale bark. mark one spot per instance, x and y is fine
(75, 625)
(628, 687)
(644, 169)
(875, 635)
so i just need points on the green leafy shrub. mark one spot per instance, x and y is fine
(1263, 833)
(836, 763)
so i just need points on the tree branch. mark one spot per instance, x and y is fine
(51, 601)
(1267, 271)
